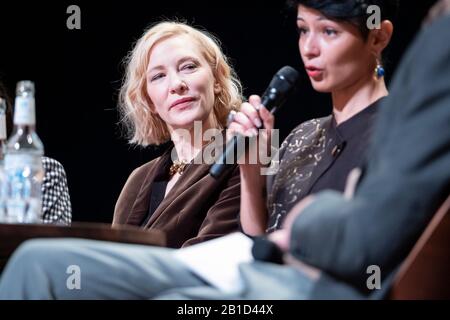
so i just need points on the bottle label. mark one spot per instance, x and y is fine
(24, 162)
(24, 112)
(21, 188)
(2, 126)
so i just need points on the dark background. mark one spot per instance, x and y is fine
(78, 73)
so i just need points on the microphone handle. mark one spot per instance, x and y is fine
(218, 168)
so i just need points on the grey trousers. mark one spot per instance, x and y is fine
(86, 269)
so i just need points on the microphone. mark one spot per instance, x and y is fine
(265, 250)
(283, 82)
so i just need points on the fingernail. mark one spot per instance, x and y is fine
(231, 116)
(257, 122)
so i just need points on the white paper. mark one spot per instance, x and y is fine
(216, 261)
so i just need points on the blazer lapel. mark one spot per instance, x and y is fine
(141, 206)
(192, 174)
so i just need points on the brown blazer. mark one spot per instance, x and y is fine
(196, 209)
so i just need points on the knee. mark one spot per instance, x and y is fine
(33, 252)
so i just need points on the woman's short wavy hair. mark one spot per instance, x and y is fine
(145, 127)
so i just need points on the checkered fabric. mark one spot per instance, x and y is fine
(56, 206)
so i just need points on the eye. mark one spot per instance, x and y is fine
(330, 32)
(301, 30)
(156, 77)
(189, 66)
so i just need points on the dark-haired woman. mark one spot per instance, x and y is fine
(342, 57)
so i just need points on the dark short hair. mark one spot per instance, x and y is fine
(352, 11)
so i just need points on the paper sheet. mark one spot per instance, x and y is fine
(216, 261)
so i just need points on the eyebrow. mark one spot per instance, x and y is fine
(182, 60)
(318, 19)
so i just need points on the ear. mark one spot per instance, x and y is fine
(217, 88)
(380, 38)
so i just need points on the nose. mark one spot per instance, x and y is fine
(308, 46)
(177, 84)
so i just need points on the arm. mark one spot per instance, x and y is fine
(56, 206)
(253, 216)
(128, 196)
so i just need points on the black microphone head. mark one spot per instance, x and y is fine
(283, 82)
(281, 85)
(287, 73)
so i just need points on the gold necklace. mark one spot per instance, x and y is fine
(177, 166)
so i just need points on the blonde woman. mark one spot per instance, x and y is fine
(178, 85)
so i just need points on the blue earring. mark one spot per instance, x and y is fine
(379, 71)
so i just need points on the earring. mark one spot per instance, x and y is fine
(379, 70)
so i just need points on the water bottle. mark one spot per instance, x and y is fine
(23, 171)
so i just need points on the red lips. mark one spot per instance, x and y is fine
(181, 101)
(313, 71)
